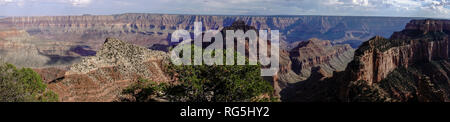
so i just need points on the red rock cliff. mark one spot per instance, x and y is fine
(422, 41)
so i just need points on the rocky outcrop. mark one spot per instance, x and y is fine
(422, 43)
(429, 25)
(296, 65)
(310, 61)
(316, 53)
(410, 66)
(118, 53)
(102, 77)
(379, 56)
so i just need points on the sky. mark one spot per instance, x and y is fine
(399, 8)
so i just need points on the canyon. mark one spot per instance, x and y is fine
(71, 54)
(119, 63)
(63, 40)
(412, 65)
(140, 28)
(101, 78)
(297, 65)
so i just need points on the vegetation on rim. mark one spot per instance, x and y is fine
(204, 83)
(23, 85)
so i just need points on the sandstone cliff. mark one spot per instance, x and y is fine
(410, 66)
(316, 53)
(380, 56)
(422, 43)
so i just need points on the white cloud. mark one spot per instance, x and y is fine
(2, 2)
(80, 2)
(425, 8)
(436, 7)
(23, 2)
(361, 2)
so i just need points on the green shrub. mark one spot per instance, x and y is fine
(142, 90)
(203, 83)
(23, 85)
(221, 83)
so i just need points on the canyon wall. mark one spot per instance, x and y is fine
(149, 29)
(379, 56)
(63, 40)
(411, 66)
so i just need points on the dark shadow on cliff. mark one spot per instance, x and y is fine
(317, 88)
(160, 47)
(83, 50)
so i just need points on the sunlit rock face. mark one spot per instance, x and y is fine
(103, 76)
(411, 66)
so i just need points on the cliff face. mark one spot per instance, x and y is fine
(316, 53)
(379, 56)
(311, 60)
(102, 77)
(63, 40)
(426, 26)
(296, 65)
(412, 65)
(18, 47)
(157, 28)
(118, 53)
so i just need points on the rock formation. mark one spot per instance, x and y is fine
(380, 61)
(140, 28)
(316, 53)
(63, 40)
(410, 66)
(296, 65)
(115, 66)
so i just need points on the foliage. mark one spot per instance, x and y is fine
(401, 81)
(204, 83)
(221, 83)
(146, 91)
(360, 91)
(380, 44)
(23, 85)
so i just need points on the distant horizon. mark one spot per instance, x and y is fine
(226, 15)
(376, 8)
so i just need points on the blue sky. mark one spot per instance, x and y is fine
(403, 8)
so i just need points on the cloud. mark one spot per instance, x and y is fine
(422, 8)
(80, 2)
(2, 2)
(23, 2)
